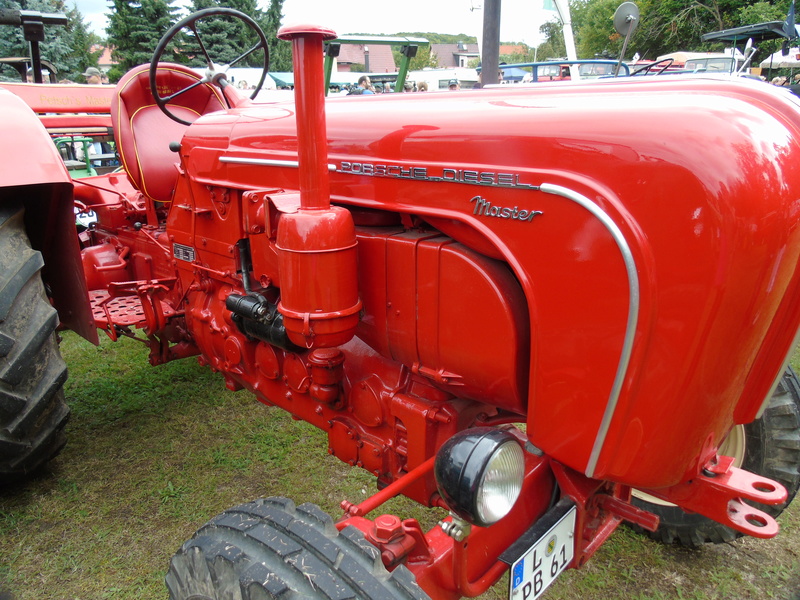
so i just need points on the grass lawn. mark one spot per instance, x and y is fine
(153, 453)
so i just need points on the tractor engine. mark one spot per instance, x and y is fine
(539, 311)
(589, 285)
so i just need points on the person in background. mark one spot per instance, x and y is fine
(387, 88)
(93, 76)
(31, 78)
(422, 86)
(454, 86)
(365, 84)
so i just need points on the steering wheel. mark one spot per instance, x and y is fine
(214, 72)
(646, 69)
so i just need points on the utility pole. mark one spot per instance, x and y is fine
(569, 40)
(490, 53)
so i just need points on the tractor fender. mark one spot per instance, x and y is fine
(34, 174)
(27, 153)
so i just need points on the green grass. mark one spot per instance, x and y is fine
(154, 452)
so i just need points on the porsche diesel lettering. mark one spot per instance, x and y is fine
(427, 173)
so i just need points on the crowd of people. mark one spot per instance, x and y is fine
(784, 81)
(365, 87)
(92, 76)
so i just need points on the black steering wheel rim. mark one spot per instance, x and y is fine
(189, 21)
(646, 68)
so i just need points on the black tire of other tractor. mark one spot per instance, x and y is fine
(772, 450)
(32, 373)
(271, 549)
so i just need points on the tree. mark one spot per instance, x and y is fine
(83, 41)
(280, 51)
(762, 12)
(526, 54)
(439, 38)
(222, 37)
(665, 26)
(424, 58)
(134, 29)
(594, 29)
(553, 46)
(226, 39)
(68, 46)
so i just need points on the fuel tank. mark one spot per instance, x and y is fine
(651, 224)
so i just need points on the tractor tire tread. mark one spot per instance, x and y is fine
(271, 548)
(778, 432)
(33, 412)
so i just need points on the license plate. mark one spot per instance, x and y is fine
(535, 570)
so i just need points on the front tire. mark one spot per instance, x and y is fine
(32, 373)
(769, 446)
(271, 549)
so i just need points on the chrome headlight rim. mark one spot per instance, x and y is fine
(461, 468)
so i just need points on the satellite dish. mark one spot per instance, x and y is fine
(626, 18)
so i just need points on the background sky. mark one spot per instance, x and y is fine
(519, 20)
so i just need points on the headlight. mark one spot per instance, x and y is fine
(479, 474)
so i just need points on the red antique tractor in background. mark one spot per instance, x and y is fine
(520, 305)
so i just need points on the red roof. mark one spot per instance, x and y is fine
(455, 55)
(105, 59)
(381, 59)
(506, 49)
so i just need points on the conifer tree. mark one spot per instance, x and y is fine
(227, 39)
(280, 51)
(134, 29)
(222, 37)
(68, 47)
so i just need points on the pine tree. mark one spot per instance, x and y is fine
(82, 41)
(280, 51)
(226, 39)
(68, 47)
(221, 37)
(135, 28)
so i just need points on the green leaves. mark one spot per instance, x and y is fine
(68, 47)
(134, 29)
(664, 26)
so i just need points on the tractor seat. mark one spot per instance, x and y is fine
(143, 132)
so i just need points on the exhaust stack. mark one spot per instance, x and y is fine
(317, 244)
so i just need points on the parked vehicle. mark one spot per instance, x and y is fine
(720, 64)
(439, 79)
(16, 68)
(559, 70)
(519, 304)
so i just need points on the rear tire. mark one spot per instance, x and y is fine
(771, 449)
(271, 549)
(32, 373)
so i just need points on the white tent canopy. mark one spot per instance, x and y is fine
(790, 60)
(243, 74)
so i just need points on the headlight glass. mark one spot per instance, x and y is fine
(501, 483)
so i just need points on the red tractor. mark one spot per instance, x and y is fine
(547, 310)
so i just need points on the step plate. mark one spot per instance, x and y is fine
(125, 311)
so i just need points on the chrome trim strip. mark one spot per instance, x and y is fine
(633, 312)
(264, 162)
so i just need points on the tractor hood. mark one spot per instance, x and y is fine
(652, 224)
